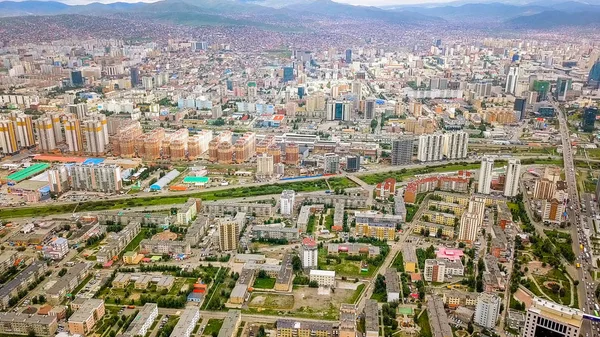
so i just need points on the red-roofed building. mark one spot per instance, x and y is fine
(458, 183)
(385, 189)
(309, 242)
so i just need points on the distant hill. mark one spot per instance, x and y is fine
(475, 12)
(335, 9)
(14, 8)
(554, 19)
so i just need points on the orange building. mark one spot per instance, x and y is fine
(151, 144)
(292, 154)
(275, 151)
(245, 147)
(225, 153)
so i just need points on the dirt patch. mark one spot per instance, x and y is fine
(522, 296)
(536, 267)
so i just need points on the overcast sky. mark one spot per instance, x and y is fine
(353, 2)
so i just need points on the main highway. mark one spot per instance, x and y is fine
(586, 286)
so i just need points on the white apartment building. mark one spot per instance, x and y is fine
(325, 278)
(98, 178)
(513, 174)
(309, 252)
(485, 175)
(286, 201)
(487, 310)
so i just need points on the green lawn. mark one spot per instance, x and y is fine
(213, 325)
(264, 283)
(423, 322)
(234, 192)
(357, 293)
(136, 241)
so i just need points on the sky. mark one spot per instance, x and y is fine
(352, 2)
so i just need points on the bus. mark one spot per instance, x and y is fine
(596, 313)
(596, 305)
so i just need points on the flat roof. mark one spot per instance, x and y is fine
(322, 272)
(62, 159)
(195, 180)
(28, 172)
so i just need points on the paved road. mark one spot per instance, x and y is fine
(586, 286)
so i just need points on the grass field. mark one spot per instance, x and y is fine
(213, 325)
(423, 322)
(271, 301)
(264, 283)
(236, 192)
(357, 293)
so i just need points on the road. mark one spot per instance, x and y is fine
(586, 285)
(395, 247)
(383, 169)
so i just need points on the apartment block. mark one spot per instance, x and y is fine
(84, 319)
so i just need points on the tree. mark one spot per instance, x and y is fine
(470, 328)
(31, 333)
(62, 272)
(313, 284)
(296, 263)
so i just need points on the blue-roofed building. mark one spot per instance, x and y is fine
(93, 161)
(164, 181)
(195, 297)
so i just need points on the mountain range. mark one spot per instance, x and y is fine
(294, 13)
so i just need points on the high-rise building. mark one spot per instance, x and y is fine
(544, 189)
(286, 202)
(370, 108)
(430, 147)
(487, 310)
(563, 85)
(79, 110)
(357, 92)
(485, 175)
(309, 253)
(97, 178)
(435, 270)
(339, 111)
(469, 225)
(331, 163)
(520, 105)
(76, 78)
(264, 165)
(23, 126)
(512, 79)
(352, 163)
(45, 134)
(57, 127)
(402, 151)
(245, 147)
(455, 145)
(549, 319)
(288, 74)
(229, 233)
(589, 119)
(594, 75)
(134, 74)
(73, 135)
(292, 153)
(58, 177)
(348, 56)
(95, 143)
(8, 137)
(513, 174)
